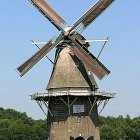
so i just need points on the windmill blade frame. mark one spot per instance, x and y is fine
(26, 66)
(89, 16)
(88, 59)
(48, 13)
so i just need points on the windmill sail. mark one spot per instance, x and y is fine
(48, 12)
(89, 60)
(91, 14)
(25, 67)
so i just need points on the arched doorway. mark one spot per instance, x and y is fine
(80, 138)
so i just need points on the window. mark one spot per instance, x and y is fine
(79, 120)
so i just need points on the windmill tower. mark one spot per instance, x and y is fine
(72, 97)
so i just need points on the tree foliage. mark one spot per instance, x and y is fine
(18, 126)
(119, 128)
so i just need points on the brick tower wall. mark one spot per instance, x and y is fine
(68, 122)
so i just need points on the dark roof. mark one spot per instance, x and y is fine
(69, 72)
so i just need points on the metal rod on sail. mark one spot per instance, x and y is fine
(39, 49)
(102, 47)
(97, 40)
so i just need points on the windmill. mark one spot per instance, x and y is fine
(72, 97)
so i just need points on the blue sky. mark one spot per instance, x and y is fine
(20, 22)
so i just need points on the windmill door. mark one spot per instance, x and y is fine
(81, 138)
